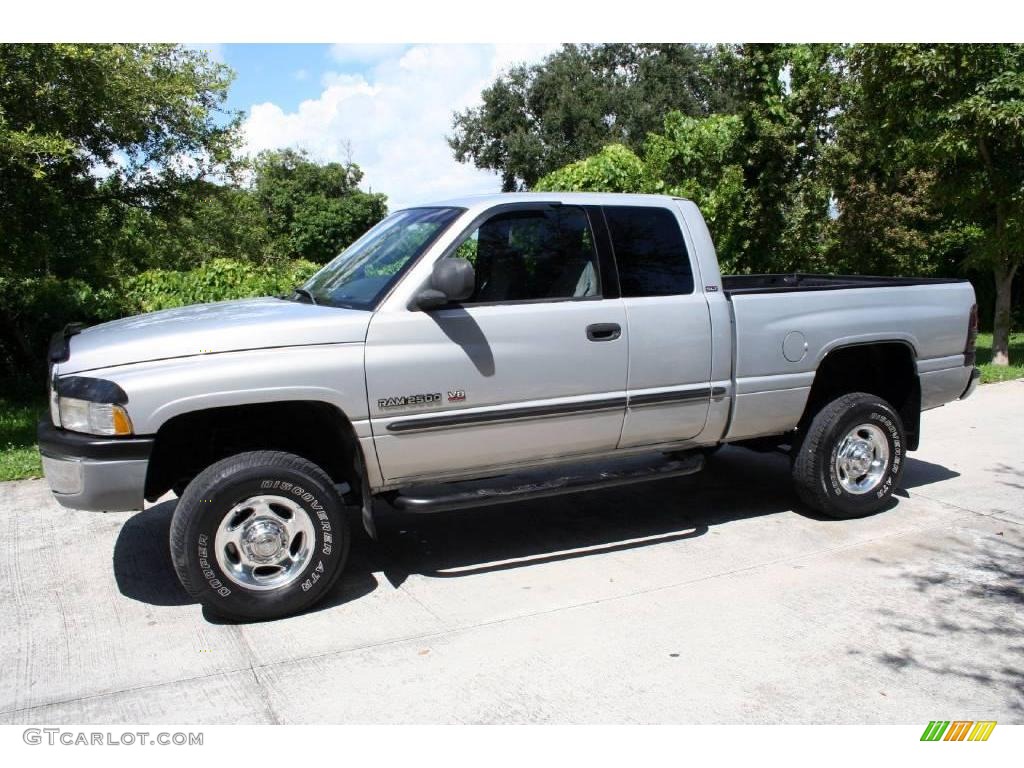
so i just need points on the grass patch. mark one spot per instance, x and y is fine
(989, 372)
(19, 457)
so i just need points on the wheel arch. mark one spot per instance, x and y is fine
(885, 368)
(316, 430)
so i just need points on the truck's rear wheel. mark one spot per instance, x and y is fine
(851, 457)
(259, 535)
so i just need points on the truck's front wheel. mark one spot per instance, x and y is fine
(851, 457)
(259, 535)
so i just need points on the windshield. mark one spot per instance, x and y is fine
(367, 269)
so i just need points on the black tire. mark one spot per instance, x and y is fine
(230, 482)
(815, 474)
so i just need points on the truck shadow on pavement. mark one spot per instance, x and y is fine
(918, 473)
(737, 484)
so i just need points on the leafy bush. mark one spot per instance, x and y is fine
(691, 158)
(615, 168)
(216, 280)
(45, 304)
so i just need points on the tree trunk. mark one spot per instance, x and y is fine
(1001, 322)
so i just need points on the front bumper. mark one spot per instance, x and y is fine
(96, 473)
(972, 384)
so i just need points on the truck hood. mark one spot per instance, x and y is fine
(201, 329)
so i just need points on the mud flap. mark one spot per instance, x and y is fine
(365, 499)
(368, 523)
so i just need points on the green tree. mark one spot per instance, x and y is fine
(958, 111)
(691, 157)
(698, 158)
(214, 221)
(616, 168)
(885, 218)
(536, 119)
(886, 223)
(756, 174)
(313, 211)
(787, 99)
(90, 135)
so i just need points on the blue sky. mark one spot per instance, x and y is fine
(387, 107)
(285, 74)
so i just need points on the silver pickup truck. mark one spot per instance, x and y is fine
(481, 351)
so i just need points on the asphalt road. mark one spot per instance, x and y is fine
(700, 600)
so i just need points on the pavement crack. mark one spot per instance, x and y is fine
(990, 515)
(130, 689)
(250, 656)
(390, 564)
(427, 608)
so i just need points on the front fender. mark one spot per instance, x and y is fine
(160, 390)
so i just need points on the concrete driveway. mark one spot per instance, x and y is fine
(701, 600)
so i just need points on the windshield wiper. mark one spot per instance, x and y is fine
(303, 292)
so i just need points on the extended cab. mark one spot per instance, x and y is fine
(485, 350)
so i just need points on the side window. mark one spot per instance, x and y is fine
(532, 255)
(649, 251)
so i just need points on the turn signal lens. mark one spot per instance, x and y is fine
(122, 424)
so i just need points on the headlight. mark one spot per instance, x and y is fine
(92, 406)
(93, 418)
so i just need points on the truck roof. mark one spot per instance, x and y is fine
(578, 198)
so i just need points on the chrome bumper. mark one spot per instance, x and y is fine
(972, 384)
(95, 473)
(109, 486)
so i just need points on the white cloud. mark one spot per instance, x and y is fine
(365, 53)
(393, 117)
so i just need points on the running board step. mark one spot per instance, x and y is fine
(538, 484)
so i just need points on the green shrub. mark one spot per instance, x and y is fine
(216, 280)
(38, 307)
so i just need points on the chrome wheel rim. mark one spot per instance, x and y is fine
(862, 459)
(264, 542)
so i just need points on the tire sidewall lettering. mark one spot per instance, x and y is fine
(319, 514)
(892, 432)
(208, 566)
(833, 477)
(314, 576)
(895, 453)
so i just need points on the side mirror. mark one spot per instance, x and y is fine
(452, 280)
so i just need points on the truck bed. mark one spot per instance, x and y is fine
(785, 325)
(800, 281)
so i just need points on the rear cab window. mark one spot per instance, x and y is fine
(649, 251)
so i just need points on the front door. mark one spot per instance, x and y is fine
(532, 366)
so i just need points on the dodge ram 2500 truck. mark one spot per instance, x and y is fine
(486, 350)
